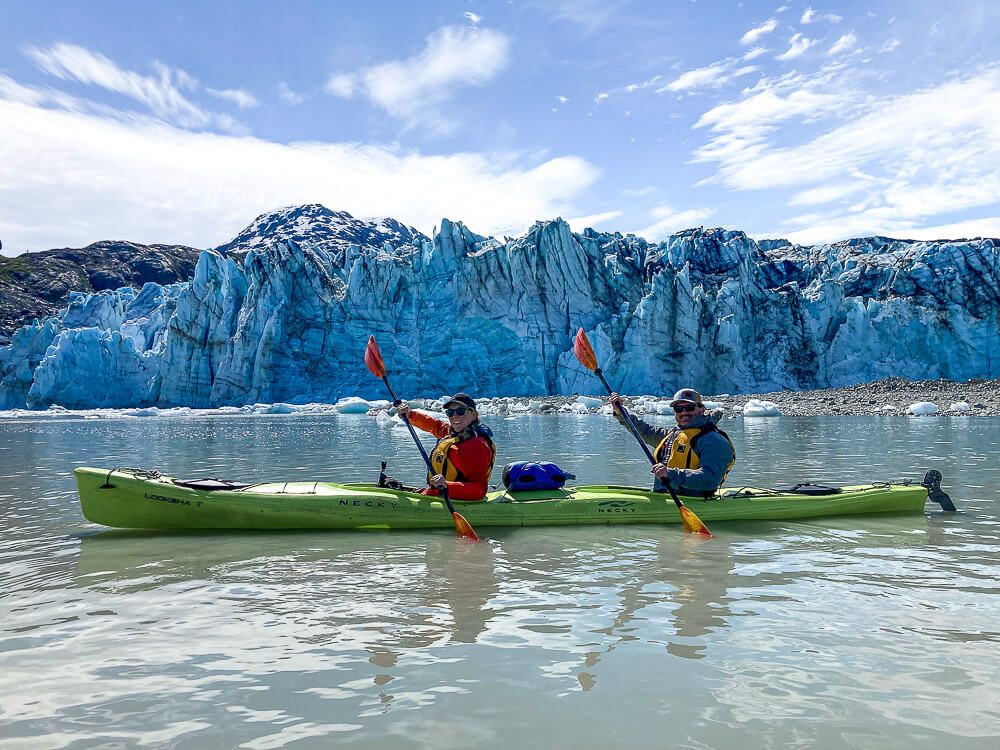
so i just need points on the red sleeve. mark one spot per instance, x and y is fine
(427, 423)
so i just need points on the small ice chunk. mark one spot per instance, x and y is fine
(960, 406)
(353, 405)
(922, 408)
(579, 408)
(590, 402)
(757, 408)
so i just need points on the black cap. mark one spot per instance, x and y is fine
(461, 398)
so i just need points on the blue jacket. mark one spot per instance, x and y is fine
(713, 450)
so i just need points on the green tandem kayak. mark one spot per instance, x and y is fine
(136, 499)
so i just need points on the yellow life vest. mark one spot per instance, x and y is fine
(441, 464)
(680, 444)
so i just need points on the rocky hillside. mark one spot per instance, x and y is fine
(37, 285)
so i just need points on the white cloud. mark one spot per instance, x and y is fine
(415, 88)
(758, 31)
(473, 18)
(819, 228)
(755, 53)
(782, 9)
(288, 95)
(797, 46)
(241, 98)
(633, 87)
(70, 178)
(811, 16)
(825, 194)
(711, 76)
(890, 45)
(669, 221)
(640, 192)
(927, 153)
(592, 220)
(846, 43)
(341, 84)
(601, 97)
(163, 94)
(562, 99)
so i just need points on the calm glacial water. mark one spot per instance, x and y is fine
(870, 632)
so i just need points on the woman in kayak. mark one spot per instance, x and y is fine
(464, 455)
(694, 457)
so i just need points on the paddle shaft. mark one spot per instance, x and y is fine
(442, 491)
(635, 433)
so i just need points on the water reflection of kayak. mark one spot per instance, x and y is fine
(134, 499)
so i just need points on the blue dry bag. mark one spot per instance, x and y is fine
(525, 476)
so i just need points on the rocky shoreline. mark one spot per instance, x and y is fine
(884, 398)
(890, 397)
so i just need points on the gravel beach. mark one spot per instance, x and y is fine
(891, 397)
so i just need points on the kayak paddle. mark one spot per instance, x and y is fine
(373, 359)
(585, 353)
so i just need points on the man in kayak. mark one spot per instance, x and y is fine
(695, 456)
(464, 455)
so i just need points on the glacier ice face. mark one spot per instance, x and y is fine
(282, 314)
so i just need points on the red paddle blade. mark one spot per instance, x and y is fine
(464, 528)
(692, 523)
(373, 358)
(584, 351)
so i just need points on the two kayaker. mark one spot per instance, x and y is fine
(695, 456)
(464, 454)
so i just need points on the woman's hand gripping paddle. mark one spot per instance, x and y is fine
(373, 359)
(585, 353)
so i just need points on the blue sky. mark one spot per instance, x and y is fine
(181, 122)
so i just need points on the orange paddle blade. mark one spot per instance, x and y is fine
(373, 358)
(464, 528)
(692, 523)
(584, 351)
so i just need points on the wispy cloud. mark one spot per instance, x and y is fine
(413, 89)
(472, 17)
(590, 15)
(844, 44)
(797, 47)
(601, 97)
(758, 31)
(667, 221)
(592, 220)
(632, 87)
(241, 98)
(755, 53)
(890, 45)
(908, 158)
(640, 192)
(286, 93)
(711, 76)
(811, 16)
(163, 93)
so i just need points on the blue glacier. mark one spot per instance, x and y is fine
(281, 315)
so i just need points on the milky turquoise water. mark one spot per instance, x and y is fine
(871, 632)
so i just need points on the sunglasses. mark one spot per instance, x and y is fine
(681, 409)
(456, 412)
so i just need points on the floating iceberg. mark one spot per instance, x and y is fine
(922, 408)
(757, 408)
